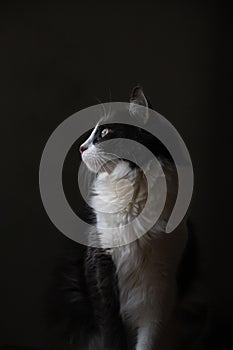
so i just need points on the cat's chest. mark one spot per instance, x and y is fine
(139, 272)
(118, 198)
(145, 268)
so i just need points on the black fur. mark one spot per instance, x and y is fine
(189, 269)
(87, 303)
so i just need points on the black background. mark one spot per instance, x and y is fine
(55, 60)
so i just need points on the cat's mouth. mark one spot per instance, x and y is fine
(96, 163)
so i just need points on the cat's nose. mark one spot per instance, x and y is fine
(82, 149)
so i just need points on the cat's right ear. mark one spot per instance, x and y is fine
(137, 99)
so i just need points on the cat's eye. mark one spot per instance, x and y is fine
(104, 132)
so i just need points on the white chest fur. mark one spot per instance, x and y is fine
(118, 199)
(126, 204)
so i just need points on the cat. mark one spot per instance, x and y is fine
(123, 295)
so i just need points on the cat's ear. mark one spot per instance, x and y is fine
(138, 98)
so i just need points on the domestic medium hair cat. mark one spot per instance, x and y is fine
(131, 295)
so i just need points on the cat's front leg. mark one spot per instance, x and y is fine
(154, 318)
(148, 335)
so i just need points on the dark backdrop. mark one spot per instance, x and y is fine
(55, 60)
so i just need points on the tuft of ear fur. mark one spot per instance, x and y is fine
(138, 98)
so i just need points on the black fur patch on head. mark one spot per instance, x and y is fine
(126, 131)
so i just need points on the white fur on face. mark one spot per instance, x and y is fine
(91, 158)
(91, 155)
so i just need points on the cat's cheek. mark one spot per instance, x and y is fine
(91, 165)
(85, 160)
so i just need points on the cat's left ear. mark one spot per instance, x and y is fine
(138, 98)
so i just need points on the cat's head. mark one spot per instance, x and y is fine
(93, 151)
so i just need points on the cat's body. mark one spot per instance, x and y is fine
(129, 290)
(146, 268)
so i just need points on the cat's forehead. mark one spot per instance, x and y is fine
(115, 116)
(103, 121)
(119, 122)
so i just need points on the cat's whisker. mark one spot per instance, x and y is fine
(101, 164)
(105, 160)
(103, 107)
(110, 110)
(115, 155)
(96, 161)
(108, 159)
(111, 154)
(105, 154)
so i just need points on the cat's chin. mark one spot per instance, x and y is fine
(107, 167)
(92, 167)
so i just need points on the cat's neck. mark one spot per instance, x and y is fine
(124, 211)
(119, 197)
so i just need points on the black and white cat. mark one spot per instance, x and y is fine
(124, 295)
